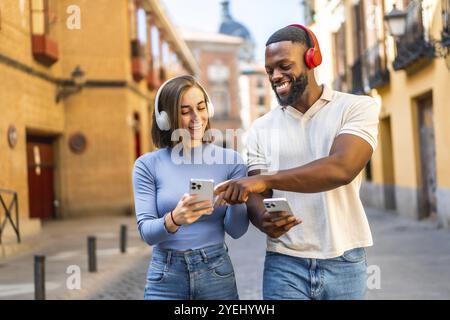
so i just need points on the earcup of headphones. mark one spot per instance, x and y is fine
(210, 107)
(309, 58)
(163, 121)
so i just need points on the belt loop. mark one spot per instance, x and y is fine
(226, 247)
(169, 257)
(204, 256)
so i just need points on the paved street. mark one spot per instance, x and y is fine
(413, 259)
(64, 245)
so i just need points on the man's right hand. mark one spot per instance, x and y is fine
(275, 224)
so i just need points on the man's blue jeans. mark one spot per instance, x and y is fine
(341, 278)
(201, 274)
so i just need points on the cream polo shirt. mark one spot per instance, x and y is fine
(333, 221)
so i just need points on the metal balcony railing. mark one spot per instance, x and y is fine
(413, 48)
(357, 77)
(376, 66)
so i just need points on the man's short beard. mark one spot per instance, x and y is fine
(298, 87)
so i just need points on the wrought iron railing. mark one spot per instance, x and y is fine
(357, 77)
(7, 214)
(413, 47)
(376, 65)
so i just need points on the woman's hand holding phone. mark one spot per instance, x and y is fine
(187, 212)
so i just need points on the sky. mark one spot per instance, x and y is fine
(261, 17)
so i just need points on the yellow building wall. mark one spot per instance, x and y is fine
(398, 100)
(101, 177)
(27, 102)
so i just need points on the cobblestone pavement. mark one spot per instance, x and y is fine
(129, 285)
(64, 244)
(413, 258)
(247, 254)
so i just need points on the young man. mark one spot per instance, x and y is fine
(310, 150)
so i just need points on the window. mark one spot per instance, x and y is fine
(39, 17)
(138, 35)
(132, 16)
(445, 16)
(261, 101)
(340, 66)
(260, 82)
(221, 103)
(45, 50)
(141, 26)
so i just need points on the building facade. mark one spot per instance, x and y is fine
(218, 57)
(257, 95)
(76, 101)
(409, 75)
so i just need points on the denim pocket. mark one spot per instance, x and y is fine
(224, 268)
(354, 255)
(155, 276)
(156, 272)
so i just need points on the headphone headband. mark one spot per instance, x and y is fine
(313, 56)
(162, 119)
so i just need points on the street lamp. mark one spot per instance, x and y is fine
(396, 22)
(74, 85)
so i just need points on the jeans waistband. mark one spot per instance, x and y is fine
(191, 256)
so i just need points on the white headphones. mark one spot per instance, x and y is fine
(162, 118)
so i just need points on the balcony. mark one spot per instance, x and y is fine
(162, 74)
(138, 61)
(152, 82)
(357, 77)
(376, 66)
(340, 83)
(45, 50)
(413, 51)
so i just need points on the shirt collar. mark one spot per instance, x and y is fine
(325, 97)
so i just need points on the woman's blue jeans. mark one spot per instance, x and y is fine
(200, 274)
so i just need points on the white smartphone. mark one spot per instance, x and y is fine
(277, 204)
(203, 188)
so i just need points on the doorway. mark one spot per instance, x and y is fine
(137, 135)
(388, 164)
(427, 152)
(40, 160)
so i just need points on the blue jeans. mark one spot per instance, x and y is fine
(200, 274)
(341, 278)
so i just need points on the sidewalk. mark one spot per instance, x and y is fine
(64, 243)
(413, 258)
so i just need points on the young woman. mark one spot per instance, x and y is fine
(189, 258)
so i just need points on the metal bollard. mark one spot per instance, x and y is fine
(123, 238)
(92, 258)
(39, 277)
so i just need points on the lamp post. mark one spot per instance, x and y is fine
(75, 84)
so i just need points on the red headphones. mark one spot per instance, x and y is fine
(313, 57)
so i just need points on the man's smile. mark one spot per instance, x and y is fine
(282, 88)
